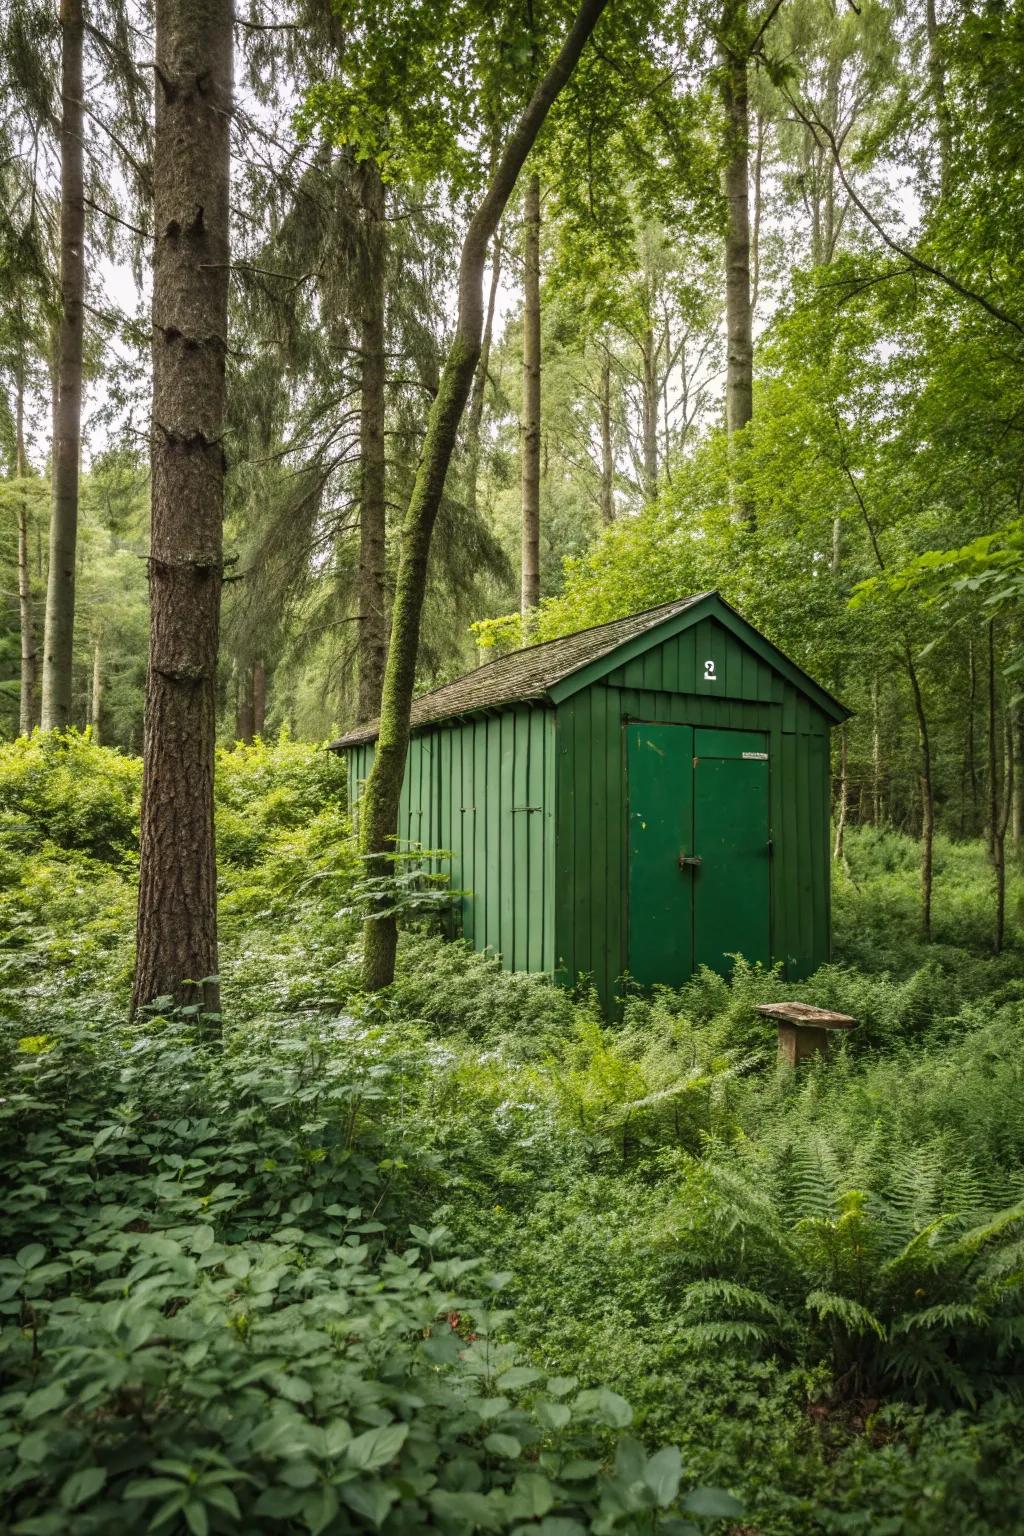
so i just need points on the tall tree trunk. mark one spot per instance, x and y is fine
(940, 100)
(607, 457)
(876, 756)
(379, 819)
(96, 695)
(476, 399)
(259, 697)
(844, 792)
(177, 924)
(27, 710)
(993, 744)
(649, 405)
(927, 789)
(244, 711)
(1002, 823)
(1017, 822)
(372, 596)
(530, 431)
(969, 746)
(58, 638)
(739, 375)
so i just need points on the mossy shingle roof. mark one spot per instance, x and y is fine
(526, 675)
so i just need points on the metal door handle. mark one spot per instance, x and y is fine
(689, 859)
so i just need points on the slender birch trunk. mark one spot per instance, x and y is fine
(530, 430)
(177, 923)
(58, 636)
(607, 457)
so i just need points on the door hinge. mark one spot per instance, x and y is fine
(689, 860)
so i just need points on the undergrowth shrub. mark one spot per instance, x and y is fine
(210, 1325)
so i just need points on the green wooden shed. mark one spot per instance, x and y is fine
(638, 799)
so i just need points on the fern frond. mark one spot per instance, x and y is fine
(845, 1310)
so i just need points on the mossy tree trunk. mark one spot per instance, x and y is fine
(27, 703)
(59, 627)
(177, 920)
(379, 816)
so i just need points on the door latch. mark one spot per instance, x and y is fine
(691, 860)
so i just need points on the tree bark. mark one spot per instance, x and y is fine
(27, 709)
(177, 921)
(739, 376)
(372, 574)
(844, 793)
(259, 697)
(993, 747)
(476, 399)
(58, 636)
(379, 820)
(927, 795)
(999, 851)
(96, 695)
(244, 713)
(607, 456)
(875, 754)
(650, 415)
(940, 100)
(530, 429)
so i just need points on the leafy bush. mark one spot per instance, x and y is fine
(63, 789)
(205, 1327)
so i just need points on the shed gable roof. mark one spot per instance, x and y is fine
(557, 668)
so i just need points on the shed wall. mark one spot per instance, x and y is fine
(483, 790)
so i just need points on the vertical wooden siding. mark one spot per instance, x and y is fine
(483, 790)
(667, 684)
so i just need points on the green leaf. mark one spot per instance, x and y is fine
(372, 1500)
(30, 1256)
(81, 1486)
(712, 1504)
(376, 1447)
(45, 1400)
(552, 1415)
(662, 1474)
(503, 1445)
(518, 1376)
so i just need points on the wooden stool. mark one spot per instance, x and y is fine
(803, 1029)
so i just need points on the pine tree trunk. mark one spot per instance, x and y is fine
(379, 809)
(607, 457)
(739, 376)
(177, 925)
(476, 399)
(530, 433)
(372, 594)
(244, 711)
(259, 697)
(58, 637)
(96, 696)
(27, 709)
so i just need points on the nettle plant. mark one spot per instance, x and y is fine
(210, 1324)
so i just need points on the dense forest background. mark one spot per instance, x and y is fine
(866, 516)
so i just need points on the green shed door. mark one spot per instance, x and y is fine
(731, 826)
(660, 768)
